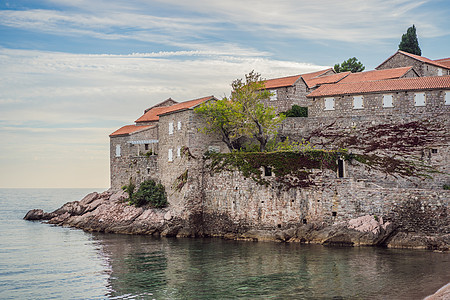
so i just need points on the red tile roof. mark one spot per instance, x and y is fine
(127, 129)
(326, 79)
(376, 75)
(388, 85)
(443, 61)
(290, 80)
(281, 82)
(153, 114)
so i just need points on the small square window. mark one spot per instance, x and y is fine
(274, 95)
(419, 99)
(434, 151)
(358, 102)
(329, 103)
(387, 100)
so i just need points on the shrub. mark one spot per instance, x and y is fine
(297, 111)
(129, 189)
(151, 193)
(446, 187)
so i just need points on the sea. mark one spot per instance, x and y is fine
(42, 261)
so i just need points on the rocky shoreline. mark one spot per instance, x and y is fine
(109, 212)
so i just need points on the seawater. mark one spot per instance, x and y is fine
(41, 261)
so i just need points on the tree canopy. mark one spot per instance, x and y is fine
(350, 65)
(409, 42)
(243, 114)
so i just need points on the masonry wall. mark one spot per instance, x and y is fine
(288, 96)
(403, 103)
(133, 163)
(423, 69)
(234, 202)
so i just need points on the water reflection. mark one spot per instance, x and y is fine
(149, 268)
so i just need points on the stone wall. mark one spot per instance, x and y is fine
(423, 69)
(233, 201)
(290, 95)
(403, 103)
(133, 163)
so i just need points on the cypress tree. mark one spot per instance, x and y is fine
(409, 42)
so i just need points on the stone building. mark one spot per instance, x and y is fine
(396, 113)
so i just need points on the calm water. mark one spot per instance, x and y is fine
(39, 261)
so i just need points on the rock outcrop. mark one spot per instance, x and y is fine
(110, 212)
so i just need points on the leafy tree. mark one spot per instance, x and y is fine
(222, 118)
(149, 192)
(409, 42)
(352, 64)
(260, 121)
(243, 114)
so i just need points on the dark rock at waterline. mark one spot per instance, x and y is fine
(38, 214)
(110, 212)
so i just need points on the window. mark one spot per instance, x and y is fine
(274, 95)
(170, 155)
(179, 125)
(358, 102)
(447, 97)
(439, 72)
(329, 103)
(171, 128)
(146, 146)
(387, 101)
(267, 171)
(341, 173)
(178, 152)
(434, 151)
(117, 150)
(419, 99)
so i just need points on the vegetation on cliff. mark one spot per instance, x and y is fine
(149, 193)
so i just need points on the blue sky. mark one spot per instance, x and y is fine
(73, 71)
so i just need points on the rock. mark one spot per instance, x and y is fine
(89, 198)
(168, 216)
(37, 214)
(119, 196)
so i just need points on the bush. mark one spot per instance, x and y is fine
(446, 187)
(151, 193)
(297, 111)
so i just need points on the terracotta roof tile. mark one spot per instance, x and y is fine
(281, 82)
(153, 114)
(423, 59)
(127, 129)
(388, 85)
(290, 80)
(443, 61)
(326, 79)
(376, 75)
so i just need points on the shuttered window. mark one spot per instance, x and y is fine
(329, 103)
(419, 99)
(170, 155)
(387, 100)
(358, 102)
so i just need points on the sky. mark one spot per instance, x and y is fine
(73, 71)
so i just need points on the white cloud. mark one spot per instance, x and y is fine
(57, 109)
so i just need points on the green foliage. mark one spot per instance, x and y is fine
(446, 187)
(222, 117)
(291, 168)
(409, 42)
(243, 114)
(129, 188)
(297, 111)
(180, 181)
(149, 153)
(350, 65)
(151, 193)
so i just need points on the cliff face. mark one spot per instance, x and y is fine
(110, 212)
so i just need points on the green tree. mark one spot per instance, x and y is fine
(350, 65)
(243, 114)
(260, 121)
(222, 118)
(409, 42)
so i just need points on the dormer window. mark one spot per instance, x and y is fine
(419, 99)
(358, 102)
(274, 95)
